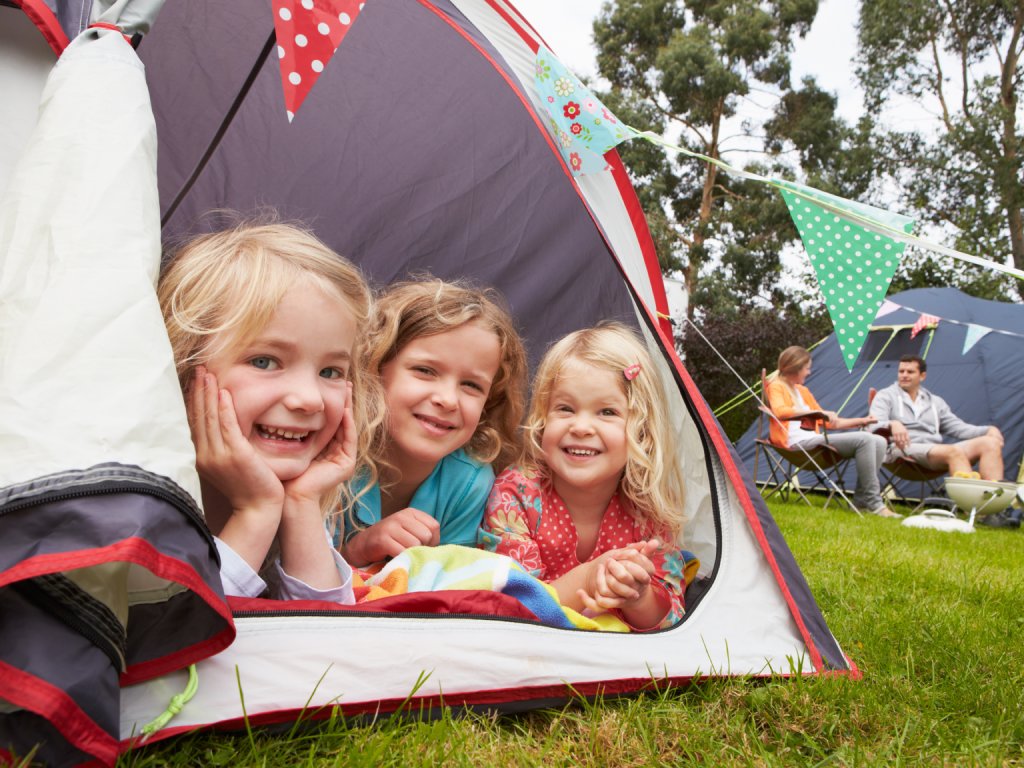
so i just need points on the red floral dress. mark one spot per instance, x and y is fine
(527, 520)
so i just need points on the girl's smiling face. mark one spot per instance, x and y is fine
(288, 384)
(584, 440)
(435, 389)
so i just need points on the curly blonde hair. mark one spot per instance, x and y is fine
(426, 307)
(651, 481)
(219, 290)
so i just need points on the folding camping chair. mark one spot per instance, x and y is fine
(929, 481)
(784, 463)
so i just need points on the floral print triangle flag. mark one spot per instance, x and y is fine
(584, 127)
(854, 265)
(308, 34)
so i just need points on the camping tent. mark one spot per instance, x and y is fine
(982, 384)
(422, 147)
(108, 575)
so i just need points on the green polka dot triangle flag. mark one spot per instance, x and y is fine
(854, 265)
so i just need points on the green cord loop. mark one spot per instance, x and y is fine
(176, 704)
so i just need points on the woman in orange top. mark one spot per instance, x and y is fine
(788, 398)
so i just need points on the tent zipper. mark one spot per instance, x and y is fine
(171, 498)
(394, 615)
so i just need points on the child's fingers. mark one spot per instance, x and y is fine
(637, 574)
(207, 432)
(648, 547)
(347, 428)
(603, 582)
(589, 604)
(414, 533)
(399, 541)
(343, 441)
(634, 556)
(427, 527)
(620, 581)
(195, 405)
(598, 604)
(230, 431)
(211, 414)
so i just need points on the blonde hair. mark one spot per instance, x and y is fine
(427, 307)
(219, 290)
(651, 481)
(792, 360)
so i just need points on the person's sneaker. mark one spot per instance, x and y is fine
(1008, 518)
(884, 511)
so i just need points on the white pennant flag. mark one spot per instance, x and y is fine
(974, 334)
(887, 307)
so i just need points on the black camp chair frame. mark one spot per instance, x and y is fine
(784, 464)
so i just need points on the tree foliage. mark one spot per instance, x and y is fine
(750, 339)
(684, 66)
(964, 175)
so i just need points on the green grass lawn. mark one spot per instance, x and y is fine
(935, 621)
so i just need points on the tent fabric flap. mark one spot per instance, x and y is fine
(108, 574)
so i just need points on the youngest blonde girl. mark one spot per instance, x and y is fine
(595, 507)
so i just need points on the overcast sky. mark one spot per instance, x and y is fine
(826, 53)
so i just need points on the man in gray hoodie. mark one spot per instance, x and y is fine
(918, 421)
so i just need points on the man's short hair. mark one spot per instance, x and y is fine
(922, 366)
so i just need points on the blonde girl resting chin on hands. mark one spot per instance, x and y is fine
(266, 326)
(595, 506)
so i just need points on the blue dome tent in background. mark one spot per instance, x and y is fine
(983, 384)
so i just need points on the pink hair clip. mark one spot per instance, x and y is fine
(632, 371)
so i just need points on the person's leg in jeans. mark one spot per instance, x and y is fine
(868, 451)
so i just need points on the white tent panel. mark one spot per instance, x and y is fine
(80, 237)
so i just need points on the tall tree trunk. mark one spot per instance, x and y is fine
(1010, 187)
(692, 272)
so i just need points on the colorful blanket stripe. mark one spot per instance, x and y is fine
(451, 567)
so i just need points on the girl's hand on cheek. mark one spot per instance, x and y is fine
(224, 458)
(336, 463)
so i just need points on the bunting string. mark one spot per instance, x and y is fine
(963, 323)
(820, 198)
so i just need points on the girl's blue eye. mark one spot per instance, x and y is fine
(262, 362)
(332, 373)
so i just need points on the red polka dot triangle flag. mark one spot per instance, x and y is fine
(308, 34)
(853, 264)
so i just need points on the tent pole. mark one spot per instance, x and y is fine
(860, 381)
(821, 472)
(743, 396)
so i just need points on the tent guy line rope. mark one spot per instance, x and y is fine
(821, 472)
(743, 396)
(874, 226)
